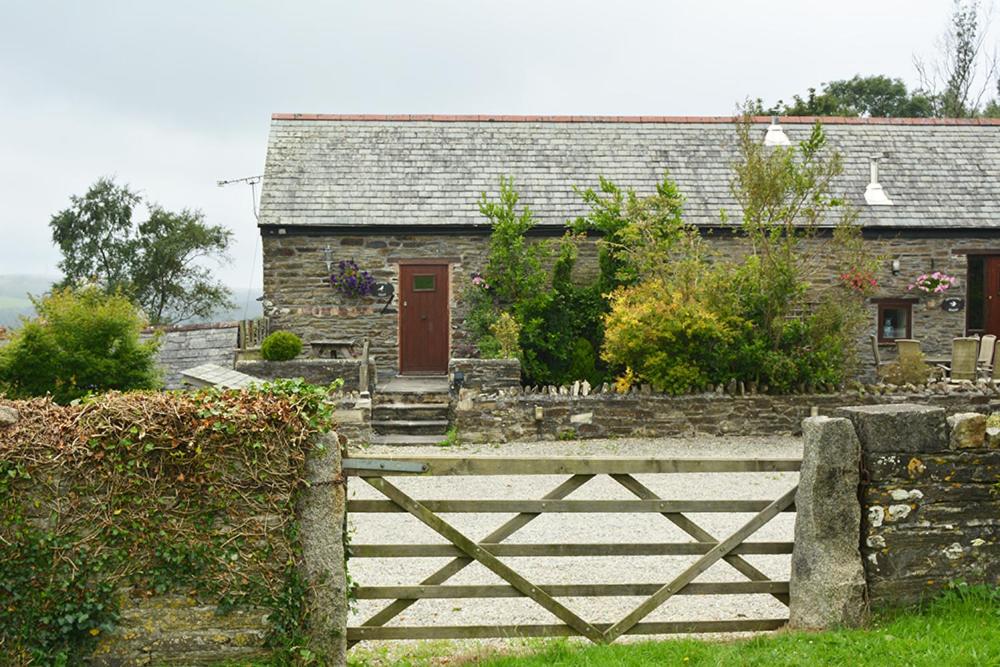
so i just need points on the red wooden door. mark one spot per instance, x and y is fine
(991, 294)
(423, 318)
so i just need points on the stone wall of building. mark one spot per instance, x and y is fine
(298, 296)
(929, 517)
(190, 345)
(577, 412)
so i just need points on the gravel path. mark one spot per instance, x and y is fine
(579, 528)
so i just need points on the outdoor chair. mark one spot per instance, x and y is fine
(964, 355)
(907, 349)
(987, 345)
(879, 364)
(988, 371)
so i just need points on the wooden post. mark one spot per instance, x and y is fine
(363, 373)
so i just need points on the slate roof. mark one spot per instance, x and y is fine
(430, 170)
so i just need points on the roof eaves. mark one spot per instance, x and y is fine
(500, 118)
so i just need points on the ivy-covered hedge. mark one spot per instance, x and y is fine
(148, 493)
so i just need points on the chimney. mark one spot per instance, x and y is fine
(874, 194)
(775, 135)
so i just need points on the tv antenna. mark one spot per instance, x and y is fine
(252, 181)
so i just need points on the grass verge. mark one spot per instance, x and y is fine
(961, 627)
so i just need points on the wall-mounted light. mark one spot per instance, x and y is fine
(328, 256)
(895, 267)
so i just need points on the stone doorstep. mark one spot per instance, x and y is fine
(411, 427)
(402, 440)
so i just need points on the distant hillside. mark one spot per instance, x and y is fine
(14, 301)
(14, 291)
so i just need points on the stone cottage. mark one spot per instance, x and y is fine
(398, 195)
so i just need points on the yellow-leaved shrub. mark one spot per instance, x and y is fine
(678, 345)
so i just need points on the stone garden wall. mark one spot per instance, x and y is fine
(486, 376)
(178, 630)
(579, 412)
(187, 626)
(929, 516)
(314, 371)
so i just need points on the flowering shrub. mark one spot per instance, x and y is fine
(479, 282)
(933, 283)
(860, 281)
(352, 281)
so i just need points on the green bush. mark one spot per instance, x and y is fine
(550, 314)
(507, 332)
(676, 346)
(909, 370)
(82, 341)
(281, 346)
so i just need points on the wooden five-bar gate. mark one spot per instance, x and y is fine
(463, 550)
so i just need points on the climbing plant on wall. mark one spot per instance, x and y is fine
(153, 493)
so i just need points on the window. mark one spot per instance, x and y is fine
(895, 319)
(424, 283)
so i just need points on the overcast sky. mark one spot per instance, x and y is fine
(171, 97)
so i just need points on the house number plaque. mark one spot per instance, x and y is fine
(952, 304)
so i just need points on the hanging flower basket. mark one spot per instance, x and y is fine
(351, 281)
(933, 283)
(859, 281)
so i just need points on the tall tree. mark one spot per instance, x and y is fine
(953, 84)
(965, 68)
(158, 262)
(875, 96)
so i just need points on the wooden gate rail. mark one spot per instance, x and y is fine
(567, 590)
(562, 549)
(488, 551)
(568, 506)
(556, 465)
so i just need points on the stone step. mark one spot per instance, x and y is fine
(411, 426)
(409, 397)
(410, 411)
(401, 440)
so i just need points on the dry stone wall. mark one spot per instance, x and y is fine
(484, 376)
(314, 371)
(568, 412)
(929, 515)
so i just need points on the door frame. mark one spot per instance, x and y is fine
(985, 302)
(445, 262)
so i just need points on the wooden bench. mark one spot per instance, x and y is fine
(333, 349)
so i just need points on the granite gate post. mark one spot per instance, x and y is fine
(321, 517)
(827, 585)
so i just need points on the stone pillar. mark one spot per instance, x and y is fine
(321, 519)
(827, 588)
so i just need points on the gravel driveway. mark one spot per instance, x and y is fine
(579, 528)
